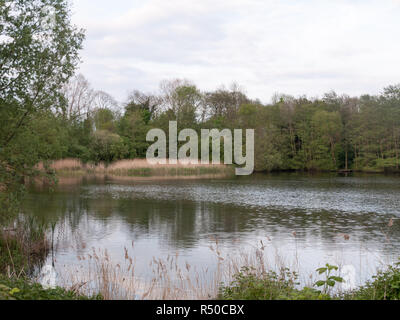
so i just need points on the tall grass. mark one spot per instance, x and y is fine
(23, 246)
(171, 278)
(258, 272)
(114, 281)
(137, 168)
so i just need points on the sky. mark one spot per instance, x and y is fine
(297, 47)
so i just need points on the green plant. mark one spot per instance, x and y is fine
(24, 289)
(247, 285)
(384, 286)
(329, 281)
(308, 294)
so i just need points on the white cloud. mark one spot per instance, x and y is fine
(297, 47)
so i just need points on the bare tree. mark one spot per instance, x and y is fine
(102, 100)
(79, 98)
(168, 91)
(226, 102)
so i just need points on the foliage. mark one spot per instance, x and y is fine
(24, 289)
(38, 54)
(107, 147)
(329, 281)
(247, 285)
(328, 134)
(384, 286)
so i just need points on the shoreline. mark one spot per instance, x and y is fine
(141, 168)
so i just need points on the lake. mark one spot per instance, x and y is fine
(298, 220)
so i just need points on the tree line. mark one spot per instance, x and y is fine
(335, 132)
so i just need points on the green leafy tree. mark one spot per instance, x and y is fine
(133, 128)
(104, 119)
(107, 147)
(328, 129)
(38, 54)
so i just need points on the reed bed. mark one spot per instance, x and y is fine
(136, 168)
(64, 164)
(23, 245)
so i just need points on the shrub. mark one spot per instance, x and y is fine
(23, 289)
(247, 285)
(385, 286)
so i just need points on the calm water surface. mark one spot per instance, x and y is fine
(300, 218)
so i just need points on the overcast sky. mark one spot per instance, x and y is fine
(267, 46)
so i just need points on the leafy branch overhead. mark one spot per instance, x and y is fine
(39, 51)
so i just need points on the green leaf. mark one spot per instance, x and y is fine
(331, 267)
(330, 283)
(320, 283)
(15, 290)
(321, 270)
(337, 279)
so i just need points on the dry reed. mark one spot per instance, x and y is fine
(137, 168)
(171, 279)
